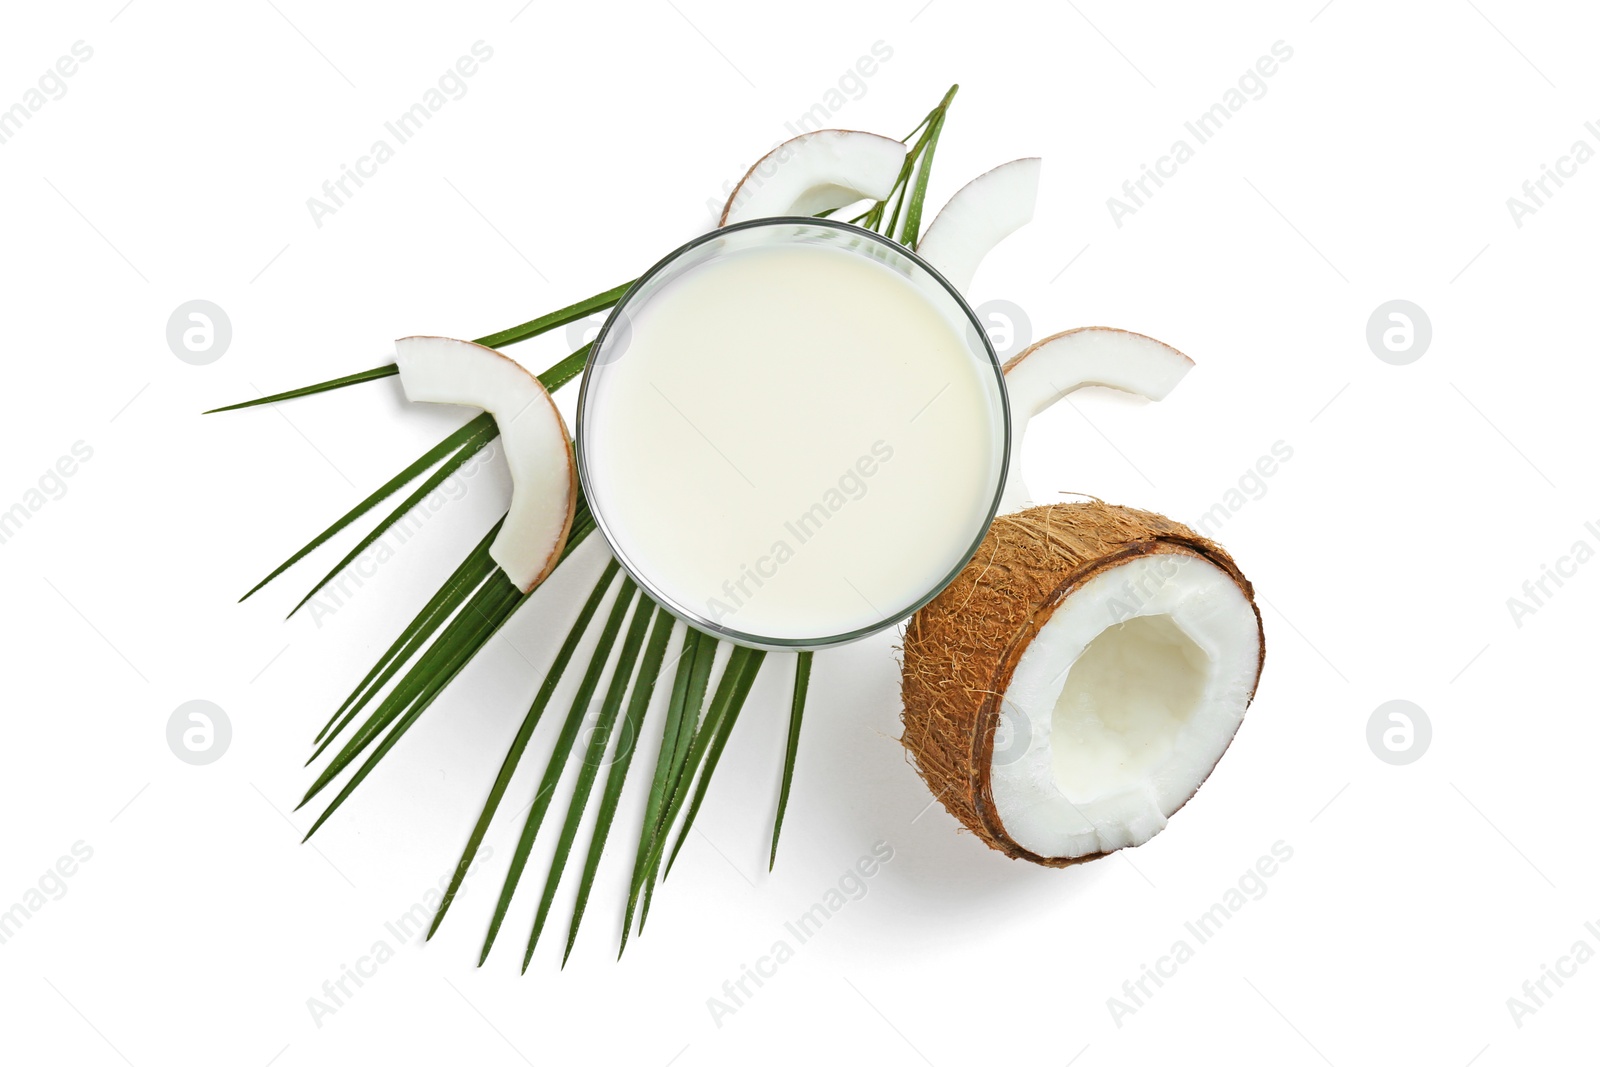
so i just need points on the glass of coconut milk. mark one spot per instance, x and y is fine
(792, 432)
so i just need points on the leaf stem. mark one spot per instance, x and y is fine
(510, 336)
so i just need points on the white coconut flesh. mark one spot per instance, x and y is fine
(538, 450)
(978, 217)
(1049, 369)
(815, 172)
(1122, 704)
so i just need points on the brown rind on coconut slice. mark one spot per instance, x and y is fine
(1044, 342)
(962, 648)
(531, 398)
(573, 490)
(981, 214)
(1054, 366)
(852, 194)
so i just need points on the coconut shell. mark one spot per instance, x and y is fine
(961, 649)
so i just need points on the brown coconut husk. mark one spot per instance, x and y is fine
(962, 647)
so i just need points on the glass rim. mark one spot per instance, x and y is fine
(694, 618)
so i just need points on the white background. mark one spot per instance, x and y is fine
(1418, 499)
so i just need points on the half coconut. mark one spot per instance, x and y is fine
(1079, 680)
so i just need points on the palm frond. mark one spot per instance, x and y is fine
(385, 371)
(742, 665)
(466, 577)
(532, 328)
(477, 599)
(699, 683)
(427, 460)
(797, 709)
(671, 743)
(491, 605)
(911, 232)
(593, 756)
(553, 320)
(643, 692)
(471, 447)
(558, 758)
(519, 744)
(478, 619)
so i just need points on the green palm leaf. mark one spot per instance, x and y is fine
(797, 708)
(594, 755)
(643, 691)
(677, 714)
(558, 759)
(477, 599)
(699, 682)
(457, 643)
(471, 629)
(519, 744)
(911, 232)
(383, 492)
(718, 729)
(385, 371)
(532, 328)
(472, 571)
(555, 319)
(471, 447)
(731, 690)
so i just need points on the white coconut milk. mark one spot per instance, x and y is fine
(794, 441)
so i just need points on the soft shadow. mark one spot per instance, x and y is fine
(940, 873)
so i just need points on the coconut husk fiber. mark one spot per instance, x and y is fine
(961, 648)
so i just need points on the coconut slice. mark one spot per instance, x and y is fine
(1048, 370)
(1079, 680)
(984, 212)
(538, 450)
(816, 172)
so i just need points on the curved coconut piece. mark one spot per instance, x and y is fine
(1079, 680)
(1048, 370)
(816, 172)
(984, 212)
(544, 479)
